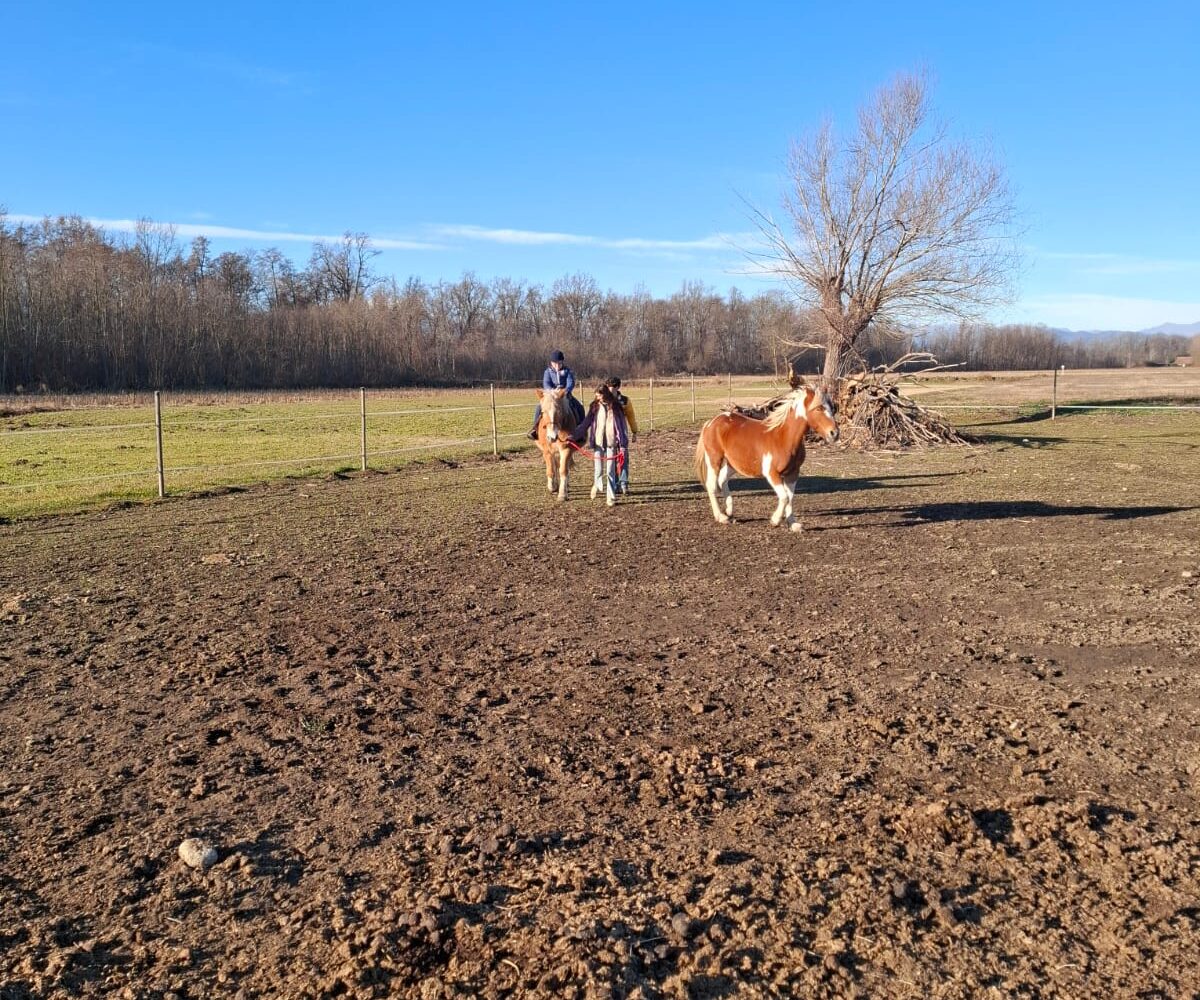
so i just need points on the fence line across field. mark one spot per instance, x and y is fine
(81, 427)
(678, 392)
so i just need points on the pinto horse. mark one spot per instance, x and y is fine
(554, 430)
(771, 448)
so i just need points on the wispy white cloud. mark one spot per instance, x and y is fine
(527, 237)
(190, 230)
(440, 237)
(220, 65)
(1070, 254)
(1115, 264)
(1145, 266)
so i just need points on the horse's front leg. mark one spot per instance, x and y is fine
(548, 457)
(564, 467)
(785, 491)
(789, 517)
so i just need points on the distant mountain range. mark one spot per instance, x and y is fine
(1175, 329)
(1171, 329)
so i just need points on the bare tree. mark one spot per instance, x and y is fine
(342, 269)
(897, 222)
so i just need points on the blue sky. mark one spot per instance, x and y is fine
(538, 140)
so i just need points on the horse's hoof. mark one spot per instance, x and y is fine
(796, 526)
(610, 502)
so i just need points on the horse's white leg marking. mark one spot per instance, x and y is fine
(710, 484)
(792, 523)
(768, 475)
(723, 475)
(564, 458)
(782, 493)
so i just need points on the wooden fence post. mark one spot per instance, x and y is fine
(652, 402)
(693, 399)
(362, 402)
(731, 388)
(495, 435)
(162, 478)
(1054, 396)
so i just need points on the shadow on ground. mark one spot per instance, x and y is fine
(988, 510)
(690, 489)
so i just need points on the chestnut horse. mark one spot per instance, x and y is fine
(554, 429)
(772, 448)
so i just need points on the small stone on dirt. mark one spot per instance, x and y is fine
(196, 853)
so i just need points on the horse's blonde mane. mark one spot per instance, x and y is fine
(779, 414)
(559, 411)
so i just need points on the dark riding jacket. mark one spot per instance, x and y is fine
(564, 378)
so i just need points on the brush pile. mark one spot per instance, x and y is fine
(872, 412)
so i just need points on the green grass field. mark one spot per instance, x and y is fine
(70, 453)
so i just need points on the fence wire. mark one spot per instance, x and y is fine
(648, 397)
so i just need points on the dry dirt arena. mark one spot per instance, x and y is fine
(452, 739)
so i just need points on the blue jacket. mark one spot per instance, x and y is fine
(564, 378)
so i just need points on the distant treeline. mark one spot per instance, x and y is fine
(83, 309)
(1001, 348)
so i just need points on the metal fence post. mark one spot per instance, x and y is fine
(162, 479)
(693, 399)
(652, 402)
(1054, 396)
(495, 435)
(362, 401)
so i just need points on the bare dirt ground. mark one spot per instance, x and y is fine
(452, 739)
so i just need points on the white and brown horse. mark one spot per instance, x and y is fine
(771, 448)
(554, 430)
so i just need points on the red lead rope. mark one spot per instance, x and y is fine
(592, 454)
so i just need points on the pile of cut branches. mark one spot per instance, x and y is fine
(872, 412)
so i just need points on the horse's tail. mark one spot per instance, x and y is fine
(700, 455)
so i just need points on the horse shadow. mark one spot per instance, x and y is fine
(1032, 441)
(1069, 411)
(690, 489)
(911, 515)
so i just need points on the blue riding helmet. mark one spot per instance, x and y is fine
(557, 356)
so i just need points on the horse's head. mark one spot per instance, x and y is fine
(554, 411)
(819, 413)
